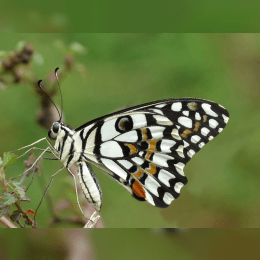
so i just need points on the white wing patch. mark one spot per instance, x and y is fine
(168, 198)
(208, 111)
(225, 119)
(185, 121)
(175, 134)
(162, 120)
(131, 137)
(111, 149)
(195, 139)
(137, 160)
(213, 123)
(205, 131)
(179, 167)
(112, 166)
(125, 163)
(161, 105)
(158, 111)
(152, 185)
(161, 159)
(157, 131)
(191, 153)
(186, 113)
(166, 145)
(176, 107)
(86, 130)
(139, 120)
(165, 176)
(108, 130)
(178, 186)
(197, 116)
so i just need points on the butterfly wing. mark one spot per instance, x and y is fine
(145, 148)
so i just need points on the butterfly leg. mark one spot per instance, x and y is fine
(47, 190)
(75, 183)
(38, 141)
(49, 149)
(32, 166)
(24, 176)
(33, 148)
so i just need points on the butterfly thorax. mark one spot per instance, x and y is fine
(64, 145)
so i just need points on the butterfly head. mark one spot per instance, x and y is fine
(55, 130)
(59, 130)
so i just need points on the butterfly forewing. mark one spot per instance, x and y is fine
(146, 147)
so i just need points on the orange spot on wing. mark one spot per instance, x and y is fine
(197, 126)
(185, 133)
(139, 173)
(148, 155)
(138, 189)
(144, 134)
(152, 145)
(152, 168)
(133, 149)
(122, 124)
(205, 118)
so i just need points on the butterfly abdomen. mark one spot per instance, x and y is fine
(89, 183)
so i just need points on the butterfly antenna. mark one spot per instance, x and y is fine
(56, 75)
(39, 84)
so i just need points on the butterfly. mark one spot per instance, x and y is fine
(144, 148)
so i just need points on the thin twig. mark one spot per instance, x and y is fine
(27, 218)
(7, 223)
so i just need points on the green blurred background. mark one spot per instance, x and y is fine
(137, 16)
(129, 69)
(130, 244)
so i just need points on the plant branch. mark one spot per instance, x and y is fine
(24, 214)
(7, 223)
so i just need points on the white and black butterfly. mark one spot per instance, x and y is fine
(144, 148)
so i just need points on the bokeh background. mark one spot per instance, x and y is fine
(102, 16)
(119, 70)
(117, 244)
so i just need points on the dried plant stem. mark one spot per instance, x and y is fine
(7, 223)
(24, 214)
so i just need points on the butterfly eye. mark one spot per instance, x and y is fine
(50, 133)
(56, 127)
(124, 124)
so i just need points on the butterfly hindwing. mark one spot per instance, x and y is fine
(145, 148)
